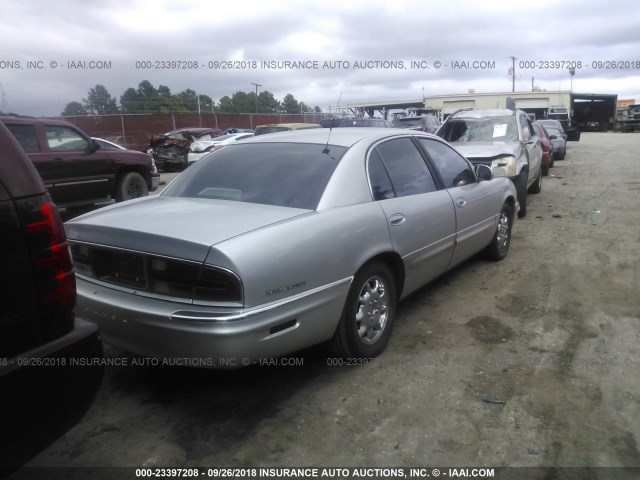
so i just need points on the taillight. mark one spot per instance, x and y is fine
(159, 275)
(50, 256)
(217, 285)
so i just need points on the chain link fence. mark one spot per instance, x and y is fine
(133, 131)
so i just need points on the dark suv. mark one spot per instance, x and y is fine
(75, 170)
(40, 338)
(37, 285)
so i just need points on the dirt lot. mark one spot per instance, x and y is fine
(532, 361)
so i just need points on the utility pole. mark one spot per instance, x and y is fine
(513, 74)
(572, 72)
(257, 85)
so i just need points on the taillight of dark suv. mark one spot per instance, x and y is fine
(51, 263)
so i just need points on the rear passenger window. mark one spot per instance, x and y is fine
(26, 136)
(380, 183)
(406, 167)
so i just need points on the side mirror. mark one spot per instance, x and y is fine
(93, 146)
(483, 172)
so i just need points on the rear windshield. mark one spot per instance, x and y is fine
(411, 122)
(281, 174)
(553, 131)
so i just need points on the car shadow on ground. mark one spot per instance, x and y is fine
(38, 405)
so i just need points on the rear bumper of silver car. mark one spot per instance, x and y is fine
(211, 337)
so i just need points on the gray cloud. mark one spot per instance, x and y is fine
(121, 32)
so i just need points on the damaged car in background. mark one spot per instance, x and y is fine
(199, 149)
(170, 150)
(286, 240)
(502, 139)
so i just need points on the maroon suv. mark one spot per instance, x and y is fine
(75, 170)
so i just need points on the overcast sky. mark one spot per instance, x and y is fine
(382, 38)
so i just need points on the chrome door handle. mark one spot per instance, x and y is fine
(397, 219)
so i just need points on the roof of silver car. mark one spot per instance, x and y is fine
(346, 136)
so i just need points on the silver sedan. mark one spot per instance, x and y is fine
(279, 242)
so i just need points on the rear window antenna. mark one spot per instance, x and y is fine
(326, 148)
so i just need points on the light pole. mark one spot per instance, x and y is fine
(513, 74)
(257, 85)
(199, 115)
(572, 72)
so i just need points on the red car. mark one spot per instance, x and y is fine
(547, 148)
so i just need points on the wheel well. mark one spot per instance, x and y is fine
(394, 262)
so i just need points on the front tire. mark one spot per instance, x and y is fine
(499, 246)
(545, 170)
(131, 185)
(368, 315)
(521, 190)
(536, 187)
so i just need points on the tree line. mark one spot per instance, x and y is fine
(148, 99)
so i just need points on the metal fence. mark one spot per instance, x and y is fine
(134, 131)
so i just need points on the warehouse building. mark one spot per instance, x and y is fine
(583, 107)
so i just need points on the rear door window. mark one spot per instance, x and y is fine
(26, 136)
(406, 167)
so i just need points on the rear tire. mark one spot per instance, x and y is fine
(499, 246)
(536, 187)
(131, 185)
(368, 315)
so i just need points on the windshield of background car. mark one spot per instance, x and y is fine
(486, 129)
(223, 137)
(550, 123)
(281, 174)
(554, 131)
